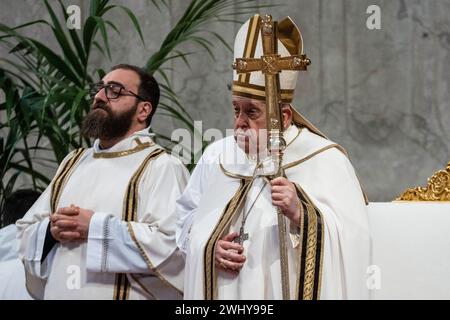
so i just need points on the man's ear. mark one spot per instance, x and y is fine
(144, 110)
(287, 115)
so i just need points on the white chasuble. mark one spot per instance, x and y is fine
(130, 252)
(328, 254)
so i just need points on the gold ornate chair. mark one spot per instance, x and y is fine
(410, 241)
(437, 189)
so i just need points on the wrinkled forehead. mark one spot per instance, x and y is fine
(128, 78)
(248, 102)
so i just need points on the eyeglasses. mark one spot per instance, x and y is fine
(113, 91)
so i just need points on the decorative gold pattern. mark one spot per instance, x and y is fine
(313, 247)
(437, 189)
(310, 254)
(267, 24)
(109, 155)
(271, 64)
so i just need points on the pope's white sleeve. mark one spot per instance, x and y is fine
(187, 205)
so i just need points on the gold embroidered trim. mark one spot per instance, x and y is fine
(295, 138)
(147, 260)
(108, 155)
(122, 287)
(233, 206)
(62, 177)
(299, 250)
(238, 176)
(234, 175)
(142, 286)
(295, 163)
(314, 221)
(310, 262)
(131, 199)
(258, 92)
(340, 148)
(250, 43)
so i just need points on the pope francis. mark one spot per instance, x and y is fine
(227, 222)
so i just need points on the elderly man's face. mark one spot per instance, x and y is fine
(249, 123)
(113, 117)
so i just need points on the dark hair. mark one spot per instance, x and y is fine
(148, 87)
(17, 204)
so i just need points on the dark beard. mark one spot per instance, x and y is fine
(103, 124)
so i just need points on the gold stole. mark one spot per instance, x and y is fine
(62, 177)
(233, 206)
(122, 284)
(122, 287)
(310, 250)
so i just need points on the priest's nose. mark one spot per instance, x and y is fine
(101, 96)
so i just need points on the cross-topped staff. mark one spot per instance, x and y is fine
(271, 64)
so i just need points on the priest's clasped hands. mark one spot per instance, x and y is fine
(70, 224)
(229, 255)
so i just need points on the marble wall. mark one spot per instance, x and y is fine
(382, 94)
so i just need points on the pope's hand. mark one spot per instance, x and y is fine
(228, 255)
(70, 224)
(284, 196)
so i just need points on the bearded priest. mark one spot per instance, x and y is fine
(105, 226)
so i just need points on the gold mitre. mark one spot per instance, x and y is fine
(248, 44)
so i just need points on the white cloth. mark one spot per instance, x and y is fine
(329, 181)
(12, 281)
(145, 249)
(411, 256)
(8, 243)
(12, 274)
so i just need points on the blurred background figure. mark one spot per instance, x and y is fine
(12, 274)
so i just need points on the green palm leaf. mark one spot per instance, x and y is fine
(46, 92)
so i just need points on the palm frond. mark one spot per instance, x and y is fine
(46, 90)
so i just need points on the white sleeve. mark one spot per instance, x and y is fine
(110, 247)
(188, 202)
(31, 231)
(140, 246)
